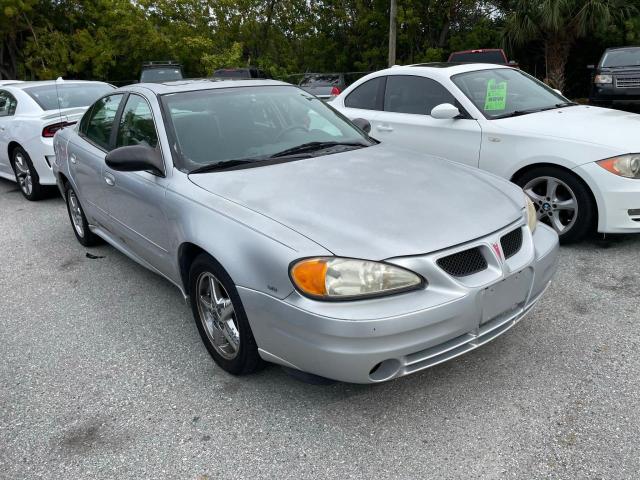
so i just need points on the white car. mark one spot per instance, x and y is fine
(579, 164)
(9, 82)
(30, 114)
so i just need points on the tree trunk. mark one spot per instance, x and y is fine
(557, 55)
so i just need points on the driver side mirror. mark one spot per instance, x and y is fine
(135, 158)
(363, 124)
(591, 67)
(445, 111)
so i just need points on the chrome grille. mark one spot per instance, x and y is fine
(463, 263)
(511, 243)
(631, 81)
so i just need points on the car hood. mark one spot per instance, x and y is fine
(611, 128)
(375, 203)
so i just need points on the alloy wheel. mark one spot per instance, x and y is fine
(217, 316)
(76, 212)
(23, 174)
(556, 204)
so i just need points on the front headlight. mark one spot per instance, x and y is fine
(625, 165)
(602, 79)
(334, 278)
(532, 216)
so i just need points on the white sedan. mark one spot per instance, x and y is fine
(30, 115)
(579, 164)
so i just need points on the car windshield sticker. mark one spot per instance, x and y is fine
(496, 98)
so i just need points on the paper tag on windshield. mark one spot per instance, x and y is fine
(496, 98)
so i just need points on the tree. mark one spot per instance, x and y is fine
(559, 24)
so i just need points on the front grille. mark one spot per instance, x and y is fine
(464, 263)
(511, 243)
(628, 82)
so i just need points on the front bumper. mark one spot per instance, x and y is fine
(611, 93)
(617, 199)
(375, 340)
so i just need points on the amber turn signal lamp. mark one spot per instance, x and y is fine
(309, 276)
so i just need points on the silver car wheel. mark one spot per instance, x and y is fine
(217, 316)
(555, 202)
(76, 212)
(23, 174)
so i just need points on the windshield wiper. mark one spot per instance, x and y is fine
(517, 113)
(314, 146)
(226, 164)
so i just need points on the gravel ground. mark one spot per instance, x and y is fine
(103, 375)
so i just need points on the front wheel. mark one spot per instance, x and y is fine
(220, 317)
(562, 201)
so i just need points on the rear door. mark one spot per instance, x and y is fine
(406, 120)
(136, 199)
(87, 152)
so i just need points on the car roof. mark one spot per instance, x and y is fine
(440, 69)
(23, 85)
(203, 84)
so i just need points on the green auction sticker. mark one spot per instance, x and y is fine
(496, 98)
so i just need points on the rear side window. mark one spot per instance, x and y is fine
(136, 124)
(8, 104)
(100, 121)
(367, 96)
(417, 95)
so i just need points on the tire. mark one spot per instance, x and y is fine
(221, 317)
(78, 219)
(26, 176)
(553, 204)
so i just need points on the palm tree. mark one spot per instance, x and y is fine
(558, 24)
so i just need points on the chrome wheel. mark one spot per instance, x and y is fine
(76, 212)
(555, 202)
(23, 173)
(217, 316)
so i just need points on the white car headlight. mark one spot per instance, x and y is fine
(334, 278)
(602, 79)
(625, 165)
(532, 216)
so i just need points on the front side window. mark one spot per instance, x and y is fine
(136, 124)
(504, 92)
(8, 104)
(255, 124)
(417, 95)
(69, 95)
(100, 122)
(367, 96)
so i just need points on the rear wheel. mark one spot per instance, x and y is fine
(562, 201)
(26, 175)
(220, 317)
(78, 220)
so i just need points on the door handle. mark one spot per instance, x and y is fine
(111, 181)
(384, 128)
(73, 159)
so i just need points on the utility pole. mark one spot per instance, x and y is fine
(393, 11)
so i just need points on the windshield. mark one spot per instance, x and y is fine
(159, 75)
(506, 92)
(493, 56)
(70, 95)
(622, 58)
(219, 125)
(320, 80)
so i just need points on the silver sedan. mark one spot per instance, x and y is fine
(296, 237)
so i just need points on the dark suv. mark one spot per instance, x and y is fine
(240, 73)
(161, 71)
(617, 77)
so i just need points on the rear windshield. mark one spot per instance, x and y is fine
(320, 80)
(622, 58)
(478, 57)
(52, 97)
(159, 75)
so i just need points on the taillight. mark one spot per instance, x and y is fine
(335, 91)
(50, 130)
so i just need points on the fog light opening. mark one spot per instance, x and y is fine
(384, 370)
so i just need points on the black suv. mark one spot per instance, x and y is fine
(161, 71)
(616, 77)
(240, 73)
